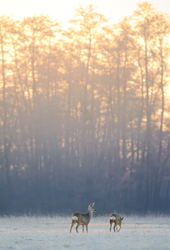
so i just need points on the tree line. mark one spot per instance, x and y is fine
(84, 113)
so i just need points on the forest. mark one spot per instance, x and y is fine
(85, 113)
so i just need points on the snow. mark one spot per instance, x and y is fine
(49, 233)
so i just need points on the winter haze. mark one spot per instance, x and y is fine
(84, 117)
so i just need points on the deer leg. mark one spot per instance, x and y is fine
(83, 228)
(111, 225)
(114, 227)
(87, 228)
(77, 227)
(73, 222)
(118, 229)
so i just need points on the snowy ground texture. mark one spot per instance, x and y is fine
(45, 233)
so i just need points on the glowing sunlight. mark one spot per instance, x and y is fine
(64, 10)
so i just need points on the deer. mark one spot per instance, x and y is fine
(117, 220)
(83, 219)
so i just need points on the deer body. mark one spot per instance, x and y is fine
(83, 219)
(117, 220)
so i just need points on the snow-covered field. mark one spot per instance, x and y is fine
(46, 233)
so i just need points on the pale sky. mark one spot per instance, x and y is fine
(63, 9)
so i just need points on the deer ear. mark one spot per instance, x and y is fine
(122, 218)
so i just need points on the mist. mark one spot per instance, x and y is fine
(84, 114)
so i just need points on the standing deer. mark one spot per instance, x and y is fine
(117, 220)
(83, 219)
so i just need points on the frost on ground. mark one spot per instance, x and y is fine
(46, 233)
